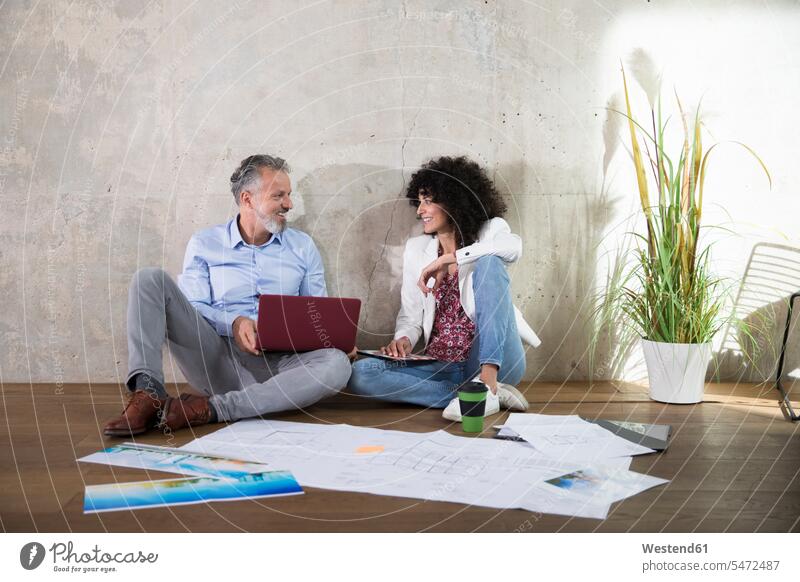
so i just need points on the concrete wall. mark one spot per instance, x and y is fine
(122, 121)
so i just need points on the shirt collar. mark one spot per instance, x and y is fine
(235, 237)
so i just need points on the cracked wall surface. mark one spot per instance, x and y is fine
(122, 122)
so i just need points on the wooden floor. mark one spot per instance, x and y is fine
(733, 466)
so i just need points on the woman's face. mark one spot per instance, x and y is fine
(433, 216)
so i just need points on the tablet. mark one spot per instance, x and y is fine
(408, 358)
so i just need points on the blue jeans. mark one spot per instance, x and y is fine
(433, 384)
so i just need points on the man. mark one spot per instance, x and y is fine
(209, 317)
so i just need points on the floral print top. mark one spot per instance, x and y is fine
(453, 332)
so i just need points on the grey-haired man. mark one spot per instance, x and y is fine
(209, 317)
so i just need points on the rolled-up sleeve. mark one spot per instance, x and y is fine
(497, 239)
(313, 283)
(195, 283)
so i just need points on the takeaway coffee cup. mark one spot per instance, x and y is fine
(472, 398)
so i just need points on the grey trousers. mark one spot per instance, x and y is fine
(240, 385)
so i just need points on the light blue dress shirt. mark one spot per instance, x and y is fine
(223, 275)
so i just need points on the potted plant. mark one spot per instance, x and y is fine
(665, 292)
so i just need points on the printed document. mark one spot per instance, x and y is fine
(433, 466)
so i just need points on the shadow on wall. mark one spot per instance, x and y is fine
(749, 350)
(753, 356)
(568, 279)
(750, 354)
(361, 220)
(760, 354)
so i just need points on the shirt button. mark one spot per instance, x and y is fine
(466, 254)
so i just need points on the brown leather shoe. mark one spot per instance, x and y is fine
(188, 410)
(140, 415)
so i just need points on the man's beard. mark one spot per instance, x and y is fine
(272, 224)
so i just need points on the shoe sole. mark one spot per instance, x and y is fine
(523, 405)
(451, 418)
(121, 432)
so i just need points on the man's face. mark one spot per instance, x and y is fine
(273, 201)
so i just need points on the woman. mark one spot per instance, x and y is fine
(456, 295)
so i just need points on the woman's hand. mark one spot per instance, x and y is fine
(399, 347)
(437, 269)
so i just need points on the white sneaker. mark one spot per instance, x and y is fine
(453, 410)
(511, 398)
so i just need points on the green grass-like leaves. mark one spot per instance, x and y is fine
(669, 293)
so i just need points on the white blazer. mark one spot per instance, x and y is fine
(417, 310)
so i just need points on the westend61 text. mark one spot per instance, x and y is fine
(670, 549)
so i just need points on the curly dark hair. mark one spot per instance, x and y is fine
(464, 190)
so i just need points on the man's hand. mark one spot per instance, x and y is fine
(352, 355)
(399, 347)
(437, 269)
(245, 334)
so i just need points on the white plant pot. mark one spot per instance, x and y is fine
(677, 372)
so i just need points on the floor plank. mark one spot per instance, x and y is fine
(734, 465)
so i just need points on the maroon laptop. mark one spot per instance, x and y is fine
(301, 324)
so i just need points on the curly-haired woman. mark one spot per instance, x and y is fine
(456, 295)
